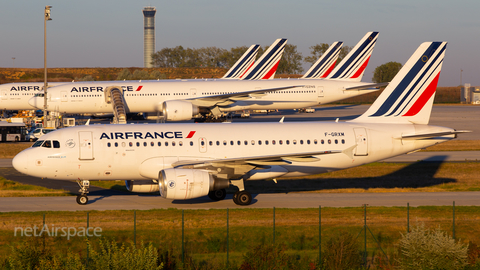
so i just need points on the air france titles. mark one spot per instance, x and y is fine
(25, 88)
(91, 89)
(146, 135)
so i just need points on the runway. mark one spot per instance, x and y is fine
(278, 200)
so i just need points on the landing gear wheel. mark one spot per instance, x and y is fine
(82, 199)
(242, 197)
(217, 195)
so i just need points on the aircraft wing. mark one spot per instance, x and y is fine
(208, 101)
(283, 159)
(367, 86)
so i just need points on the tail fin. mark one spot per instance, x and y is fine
(325, 63)
(353, 65)
(409, 96)
(243, 64)
(266, 66)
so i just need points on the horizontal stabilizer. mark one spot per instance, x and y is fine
(367, 86)
(431, 135)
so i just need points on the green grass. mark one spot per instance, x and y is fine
(10, 188)
(205, 230)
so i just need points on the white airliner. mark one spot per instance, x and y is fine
(183, 99)
(186, 160)
(15, 96)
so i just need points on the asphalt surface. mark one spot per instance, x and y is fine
(458, 117)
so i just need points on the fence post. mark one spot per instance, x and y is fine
(453, 220)
(43, 226)
(228, 237)
(183, 237)
(135, 228)
(320, 234)
(88, 225)
(408, 217)
(274, 225)
(365, 235)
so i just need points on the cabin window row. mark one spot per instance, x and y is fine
(218, 143)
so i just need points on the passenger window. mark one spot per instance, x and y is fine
(329, 141)
(253, 142)
(323, 142)
(218, 143)
(152, 144)
(315, 141)
(280, 142)
(259, 142)
(123, 144)
(343, 141)
(245, 142)
(231, 143)
(145, 144)
(109, 144)
(273, 142)
(173, 143)
(287, 141)
(294, 141)
(210, 143)
(191, 143)
(301, 141)
(336, 141)
(116, 144)
(239, 142)
(138, 144)
(180, 143)
(202, 143)
(159, 144)
(166, 143)
(308, 141)
(224, 142)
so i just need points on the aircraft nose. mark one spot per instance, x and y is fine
(20, 162)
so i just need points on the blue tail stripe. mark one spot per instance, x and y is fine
(242, 63)
(354, 56)
(269, 58)
(359, 60)
(320, 65)
(399, 90)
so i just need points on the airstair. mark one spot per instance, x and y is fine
(114, 96)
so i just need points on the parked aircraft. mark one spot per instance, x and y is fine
(185, 161)
(15, 96)
(183, 99)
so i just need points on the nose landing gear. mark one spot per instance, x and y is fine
(82, 199)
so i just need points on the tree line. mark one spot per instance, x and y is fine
(291, 62)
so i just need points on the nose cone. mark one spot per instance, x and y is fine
(20, 162)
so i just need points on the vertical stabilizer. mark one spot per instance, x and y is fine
(266, 66)
(325, 63)
(409, 96)
(243, 64)
(353, 65)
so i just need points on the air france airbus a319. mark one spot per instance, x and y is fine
(183, 100)
(187, 160)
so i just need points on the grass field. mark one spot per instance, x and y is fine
(206, 231)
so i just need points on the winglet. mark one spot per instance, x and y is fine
(353, 65)
(326, 63)
(267, 65)
(243, 64)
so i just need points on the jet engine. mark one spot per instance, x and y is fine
(179, 110)
(142, 186)
(184, 184)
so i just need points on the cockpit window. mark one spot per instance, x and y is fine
(38, 143)
(56, 144)
(47, 144)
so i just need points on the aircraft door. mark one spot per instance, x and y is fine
(362, 142)
(319, 91)
(193, 93)
(4, 94)
(202, 142)
(86, 145)
(64, 96)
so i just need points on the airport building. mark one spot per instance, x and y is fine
(470, 94)
(148, 35)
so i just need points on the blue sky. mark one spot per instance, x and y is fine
(109, 33)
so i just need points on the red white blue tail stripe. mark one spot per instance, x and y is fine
(266, 66)
(243, 64)
(325, 63)
(353, 65)
(409, 96)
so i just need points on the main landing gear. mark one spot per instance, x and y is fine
(241, 197)
(82, 199)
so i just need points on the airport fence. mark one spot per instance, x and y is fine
(233, 238)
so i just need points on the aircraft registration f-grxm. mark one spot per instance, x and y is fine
(185, 161)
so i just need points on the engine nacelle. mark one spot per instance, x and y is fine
(142, 186)
(179, 110)
(184, 184)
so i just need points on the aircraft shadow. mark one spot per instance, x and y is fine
(417, 175)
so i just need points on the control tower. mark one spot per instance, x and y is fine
(148, 35)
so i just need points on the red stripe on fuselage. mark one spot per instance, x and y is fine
(190, 135)
(362, 68)
(424, 97)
